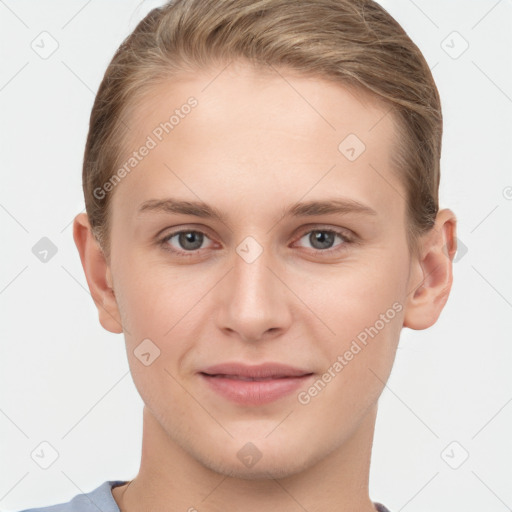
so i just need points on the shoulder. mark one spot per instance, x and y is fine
(380, 508)
(98, 499)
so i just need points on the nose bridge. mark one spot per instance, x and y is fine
(253, 301)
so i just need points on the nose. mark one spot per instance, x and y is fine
(252, 300)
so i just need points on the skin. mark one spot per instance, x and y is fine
(256, 144)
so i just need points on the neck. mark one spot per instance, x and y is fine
(171, 479)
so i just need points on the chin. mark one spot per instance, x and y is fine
(277, 468)
(262, 459)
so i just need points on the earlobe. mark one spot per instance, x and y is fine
(431, 277)
(98, 274)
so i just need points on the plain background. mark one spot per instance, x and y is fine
(65, 381)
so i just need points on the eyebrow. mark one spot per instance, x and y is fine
(341, 206)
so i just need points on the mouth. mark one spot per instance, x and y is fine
(270, 370)
(252, 379)
(254, 385)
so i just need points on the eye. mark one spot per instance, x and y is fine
(183, 242)
(189, 242)
(323, 239)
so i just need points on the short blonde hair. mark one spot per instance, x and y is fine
(354, 42)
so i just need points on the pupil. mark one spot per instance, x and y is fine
(195, 239)
(323, 238)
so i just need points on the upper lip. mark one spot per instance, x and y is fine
(265, 370)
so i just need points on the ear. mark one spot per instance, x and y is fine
(97, 273)
(430, 278)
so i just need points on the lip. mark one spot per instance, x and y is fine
(254, 384)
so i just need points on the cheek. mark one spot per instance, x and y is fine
(358, 361)
(163, 314)
(155, 310)
(353, 296)
(362, 305)
(154, 297)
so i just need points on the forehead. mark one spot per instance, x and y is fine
(257, 131)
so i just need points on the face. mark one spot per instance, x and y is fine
(305, 265)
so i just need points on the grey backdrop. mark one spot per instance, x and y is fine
(443, 434)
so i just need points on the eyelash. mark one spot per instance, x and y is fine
(347, 239)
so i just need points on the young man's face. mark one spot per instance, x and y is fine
(323, 291)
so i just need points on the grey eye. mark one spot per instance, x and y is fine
(322, 239)
(190, 240)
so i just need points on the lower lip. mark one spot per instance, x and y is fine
(247, 392)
